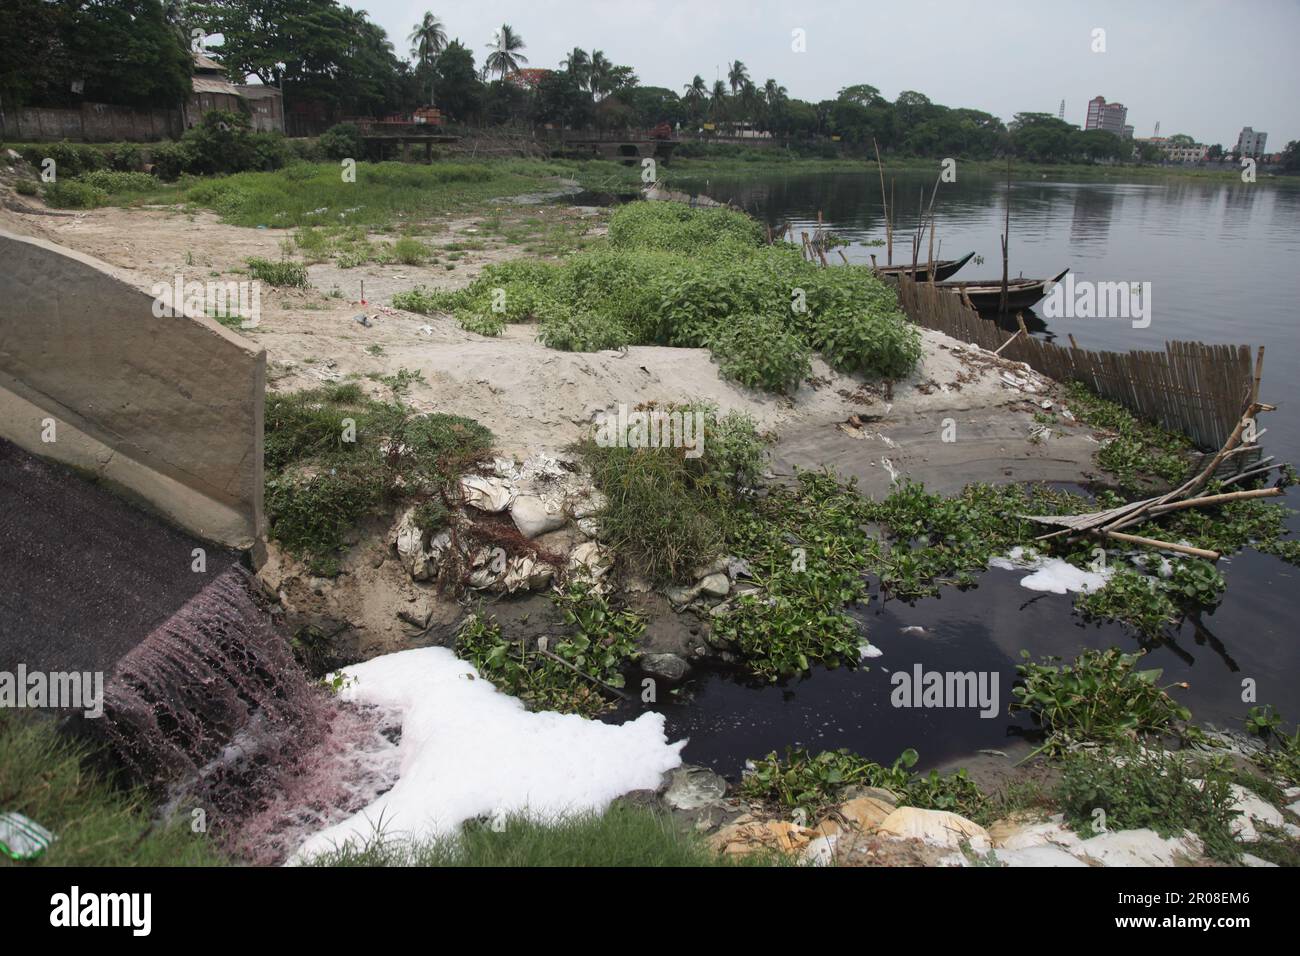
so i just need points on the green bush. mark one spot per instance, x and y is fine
(341, 142)
(170, 160)
(70, 159)
(111, 181)
(671, 275)
(72, 194)
(25, 187)
(760, 352)
(1129, 787)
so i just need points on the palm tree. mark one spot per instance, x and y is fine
(774, 93)
(719, 98)
(579, 64)
(737, 75)
(598, 74)
(428, 39)
(505, 56)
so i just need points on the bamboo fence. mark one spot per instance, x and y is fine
(1197, 389)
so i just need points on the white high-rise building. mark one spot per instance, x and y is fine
(1251, 143)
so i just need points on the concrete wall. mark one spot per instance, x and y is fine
(91, 123)
(168, 410)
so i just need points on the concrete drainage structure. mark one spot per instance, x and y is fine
(168, 411)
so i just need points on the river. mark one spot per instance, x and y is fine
(1221, 260)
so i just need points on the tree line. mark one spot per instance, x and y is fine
(323, 53)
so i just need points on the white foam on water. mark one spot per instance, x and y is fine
(468, 750)
(1050, 574)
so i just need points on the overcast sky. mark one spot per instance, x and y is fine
(1201, 67)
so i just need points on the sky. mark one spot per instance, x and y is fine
(1201, 67)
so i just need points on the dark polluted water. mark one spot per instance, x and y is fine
(1220, 258)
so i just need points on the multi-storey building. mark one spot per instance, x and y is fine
(1110, 117)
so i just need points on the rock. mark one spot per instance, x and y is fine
(1249, 859)
(865, 813)
(492, 495)
(417, 614)
(1045, 855)
(715, 585)
(1020, 834)
(741, 838)
(589, 563)
(935, 827)
(1138, 848)
(668, 666)
(533, 516)
(690, 788)
(1252, 809)
(716, 566)
(820, 851)
(681, 595)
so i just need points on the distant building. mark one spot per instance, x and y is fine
(1110, 117)
(266, 104)
(212, 91)
(1180, 152)
(1251, 143)
(1127, 133)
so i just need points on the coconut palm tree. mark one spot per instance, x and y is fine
(579, 64)
(718, 103)
(774, 93)
(598, 74)
(737, 76)
(505, 56)
(428, 39)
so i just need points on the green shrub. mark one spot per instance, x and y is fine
(280, 274)
(111, 181)
(1130, 787)
(410, 251)
(319, 484)
(72, 194)
(25, 187)
(760, 352)
(341, 142)
(170, 160)
(70, 159)
(671, 275)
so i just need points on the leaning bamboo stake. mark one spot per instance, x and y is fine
(884, 204)
(1162, 545)
(1014, 336)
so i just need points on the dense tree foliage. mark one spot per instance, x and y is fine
(62, 52)
(329, 55)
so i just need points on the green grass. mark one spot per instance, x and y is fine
(320, 484)
(53, 781)
(622, 836)
(384, 194)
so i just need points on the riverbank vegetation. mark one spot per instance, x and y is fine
(1104, 765)
(671, 275)
(621, 836)
(334, 456)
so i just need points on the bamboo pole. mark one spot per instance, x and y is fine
(1163, 545)
(1006, 236)
(884, 204)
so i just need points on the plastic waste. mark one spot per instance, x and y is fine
(22, 838)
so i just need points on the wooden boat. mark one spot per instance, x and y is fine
(943, 268)
(986, 294)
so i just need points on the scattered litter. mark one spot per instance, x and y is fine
(869, 650)
(22, 838)
(362, 319)
(1050, 574)
(889, 467)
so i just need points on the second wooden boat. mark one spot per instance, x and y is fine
(986, 294)
(943, 268)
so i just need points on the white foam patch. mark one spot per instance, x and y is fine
(1050, 574)
(468, 750)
